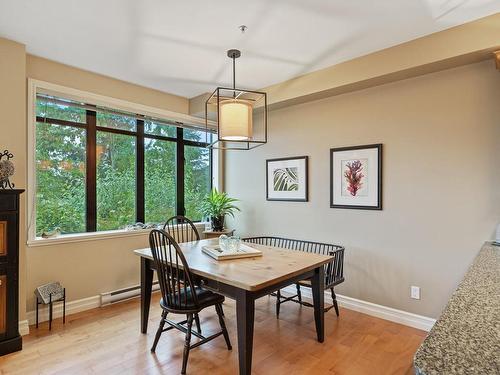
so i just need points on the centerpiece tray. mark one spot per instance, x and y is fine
(217, 253)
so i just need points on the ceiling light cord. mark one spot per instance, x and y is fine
(234, 54)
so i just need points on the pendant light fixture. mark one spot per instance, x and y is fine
(240, 115)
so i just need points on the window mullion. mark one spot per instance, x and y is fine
(139, 198)
(211, 168)
(180, 172)
(91, 188)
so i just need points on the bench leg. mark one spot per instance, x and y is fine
(299, 294)
(334, 299)
(278, 303)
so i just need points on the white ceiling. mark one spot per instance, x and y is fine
(180, 46)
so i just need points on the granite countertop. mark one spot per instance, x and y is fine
(466, 338)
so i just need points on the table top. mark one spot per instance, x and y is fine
(275, 264)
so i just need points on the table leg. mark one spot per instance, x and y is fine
(318, 282)
(146, 288)
(245, 313)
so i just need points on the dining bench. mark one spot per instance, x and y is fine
(334, 270)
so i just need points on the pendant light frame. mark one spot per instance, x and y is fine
(221, 94)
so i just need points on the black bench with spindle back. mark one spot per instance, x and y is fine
(334, 270)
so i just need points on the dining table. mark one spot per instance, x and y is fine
(244, 280)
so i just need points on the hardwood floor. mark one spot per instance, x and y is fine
(108, 341)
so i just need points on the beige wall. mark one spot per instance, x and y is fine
(85, 268)
(460, 45)
(13, 132)
(54, 72)
(441, 182)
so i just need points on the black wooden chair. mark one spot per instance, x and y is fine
(334, 270)
(179, 293)
(181, 229)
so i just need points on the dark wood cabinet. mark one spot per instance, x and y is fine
(10, 340)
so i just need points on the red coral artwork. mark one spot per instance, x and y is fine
(354, 176)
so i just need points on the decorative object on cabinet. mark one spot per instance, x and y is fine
(47, 294)
(7, 170)
(10, 340)
(287, 179)
(356, 177)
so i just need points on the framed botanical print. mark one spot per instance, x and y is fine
(286, 179)
(356, 177)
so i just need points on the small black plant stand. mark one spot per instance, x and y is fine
(51, 303)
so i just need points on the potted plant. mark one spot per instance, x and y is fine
(216, 206)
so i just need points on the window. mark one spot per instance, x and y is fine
(99, 169)
(60, 178)
(196, 179)
(116, 180)
(159, 179)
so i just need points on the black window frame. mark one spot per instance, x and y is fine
(92, 128)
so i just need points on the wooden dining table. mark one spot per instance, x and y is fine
(244, 280)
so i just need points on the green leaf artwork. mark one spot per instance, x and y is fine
(286, 179)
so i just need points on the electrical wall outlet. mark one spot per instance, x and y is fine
(415, 292)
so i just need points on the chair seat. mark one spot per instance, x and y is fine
(205, 298)
(306, 282)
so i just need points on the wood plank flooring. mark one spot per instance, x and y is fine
(108, 341)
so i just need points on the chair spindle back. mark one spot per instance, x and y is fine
(174, 275)
(181, 229)
(334, 270)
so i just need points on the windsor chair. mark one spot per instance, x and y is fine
(180, 295)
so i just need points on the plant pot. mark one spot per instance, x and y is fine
(217, 223)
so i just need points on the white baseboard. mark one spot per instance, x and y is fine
(388, 313)
(72, 307)
(24, 327)
(379, 311)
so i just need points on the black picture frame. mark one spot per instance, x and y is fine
(306, 192)
(378, 206)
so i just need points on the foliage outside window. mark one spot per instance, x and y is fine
(60, 178)
(99, 170)
(160, 177)
(116, 180)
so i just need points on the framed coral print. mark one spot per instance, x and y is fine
(286, 179)
(356, 177)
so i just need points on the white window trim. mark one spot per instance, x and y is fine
(37, 86)
(102, 235)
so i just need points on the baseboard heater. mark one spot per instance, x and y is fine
(124, 294)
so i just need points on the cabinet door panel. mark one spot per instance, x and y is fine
(8, 203)
(8, 239)
(3, 303)
(3, 238)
